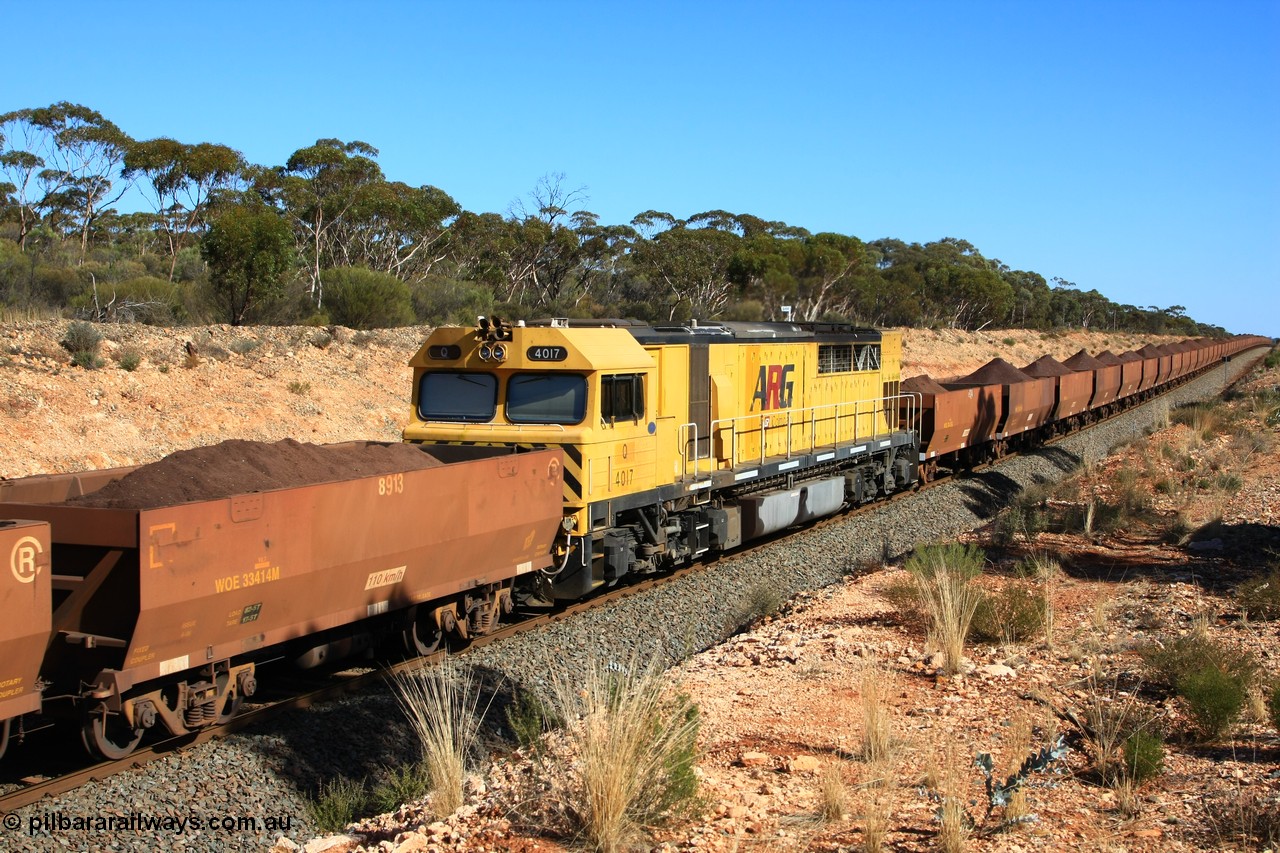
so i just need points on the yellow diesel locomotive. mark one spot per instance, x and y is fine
(677, 439)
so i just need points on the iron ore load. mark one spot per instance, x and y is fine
(542, 461)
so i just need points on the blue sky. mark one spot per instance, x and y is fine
(1131, 147)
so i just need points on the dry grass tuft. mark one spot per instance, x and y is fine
(876, 807)
(442, 704)
(1021, 732)
(877, 742)
(1047, 572)
(953, 818)
(1128, 803)
(1243, 819)
(833, 793)
(944, 577)
(629, 756)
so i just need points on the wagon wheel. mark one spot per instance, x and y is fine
(4, 736)
(421, 636)
(109, 736)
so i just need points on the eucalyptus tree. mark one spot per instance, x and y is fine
(831, 264)
(1031, 299)
(882, 301)
(1070, 306)
(603, 257)
(21, 167)
(545, 254)
(529, 261)
(181, 181)
(317, 188)
(72, 155)
(689, 264)
(546, 247)
(140, 233)
(479, 248)
(768, 265)
(899, 268)
(394, 228)
(950, 280)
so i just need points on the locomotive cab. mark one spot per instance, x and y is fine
(591, 391)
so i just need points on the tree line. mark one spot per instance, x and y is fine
(326, 237)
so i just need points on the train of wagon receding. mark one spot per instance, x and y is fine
(573, 455)
(680, 440)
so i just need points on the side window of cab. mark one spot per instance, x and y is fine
(622, 398)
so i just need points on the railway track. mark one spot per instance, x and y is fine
(33, 788)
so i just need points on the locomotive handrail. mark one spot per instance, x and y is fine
(887, 407)
(681, 438)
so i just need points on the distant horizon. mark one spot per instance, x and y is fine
(1126, 148)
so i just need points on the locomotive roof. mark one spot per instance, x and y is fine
(725, 331)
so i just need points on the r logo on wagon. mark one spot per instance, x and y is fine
(22, 560)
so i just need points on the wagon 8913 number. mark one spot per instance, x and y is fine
(392, 484)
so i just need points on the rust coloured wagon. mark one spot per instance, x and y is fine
(1150, 370)
(1106, 378)
(1027, 401)
(1164, 369)
(1130, 373)
(1072, 390)
(162, 612)
(954, 420)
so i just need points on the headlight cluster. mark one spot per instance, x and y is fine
(493, 352)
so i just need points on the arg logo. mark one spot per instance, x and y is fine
(23, 560)
(773, 387)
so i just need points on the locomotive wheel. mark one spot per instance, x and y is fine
(421, 636)
(108, 736)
